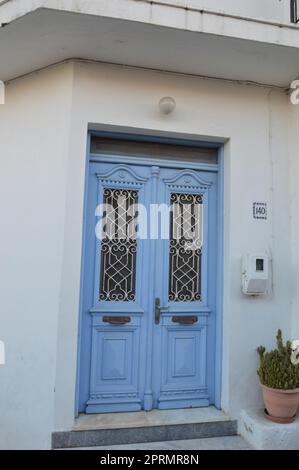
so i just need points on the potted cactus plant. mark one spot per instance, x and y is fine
(279, 379)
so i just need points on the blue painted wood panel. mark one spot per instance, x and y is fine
(115, 357)
(184, 364)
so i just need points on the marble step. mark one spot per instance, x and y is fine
(141, 427)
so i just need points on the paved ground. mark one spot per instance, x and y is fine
(216, 443)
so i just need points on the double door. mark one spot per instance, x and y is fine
(148, 326)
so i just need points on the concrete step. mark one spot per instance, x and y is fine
(141, 427)
(214, 443)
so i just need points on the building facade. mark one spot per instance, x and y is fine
(86, 329)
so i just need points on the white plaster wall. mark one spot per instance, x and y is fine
(42, 183)
(294, 176)
(256, 168)
(33, 149)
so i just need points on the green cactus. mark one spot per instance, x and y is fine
(276, 369)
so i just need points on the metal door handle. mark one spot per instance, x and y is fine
(157, 310)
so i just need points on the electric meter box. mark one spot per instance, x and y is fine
(255, 274)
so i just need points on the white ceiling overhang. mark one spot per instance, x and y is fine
(46, 36)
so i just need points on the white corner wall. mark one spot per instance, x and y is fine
(43, 151)
(294, 200)
(34, 126)
(254, 123)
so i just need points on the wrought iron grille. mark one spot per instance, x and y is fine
(185, 247)
(119, 246)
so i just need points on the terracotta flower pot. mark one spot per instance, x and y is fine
(281, 405)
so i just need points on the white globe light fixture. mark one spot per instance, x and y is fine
(167, 105)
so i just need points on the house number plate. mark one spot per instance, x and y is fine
(260, 210)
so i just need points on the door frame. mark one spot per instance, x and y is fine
(219, 168)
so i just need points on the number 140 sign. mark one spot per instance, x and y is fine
(260, 210)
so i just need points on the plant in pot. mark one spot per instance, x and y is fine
(279, 379)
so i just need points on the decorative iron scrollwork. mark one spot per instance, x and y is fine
(185, 247)
(119, 246)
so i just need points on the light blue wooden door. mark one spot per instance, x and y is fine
(148, 324)
(185, 292)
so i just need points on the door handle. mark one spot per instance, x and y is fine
(157, 311)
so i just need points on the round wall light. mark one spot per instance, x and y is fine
(167, 105)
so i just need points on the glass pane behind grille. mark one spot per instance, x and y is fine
(185, 247)
(153, 150)
(119, 246)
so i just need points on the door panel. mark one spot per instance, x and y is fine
(114, 367)
(149, 301)
(184, 349)
(188, 256)
(119, 310)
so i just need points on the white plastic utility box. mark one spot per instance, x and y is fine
(255, 274)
